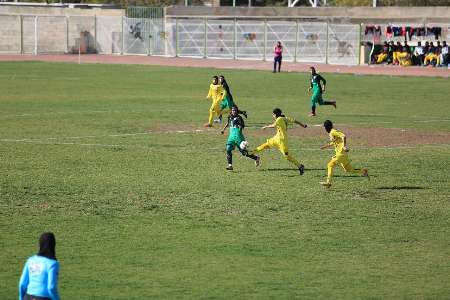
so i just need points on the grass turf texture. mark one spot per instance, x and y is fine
(157, 216)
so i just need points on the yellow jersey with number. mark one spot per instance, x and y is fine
(337, 139)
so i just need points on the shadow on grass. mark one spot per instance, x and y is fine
(402, 188)
(349, 176)
(293, 169)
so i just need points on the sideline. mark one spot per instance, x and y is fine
(232, 64)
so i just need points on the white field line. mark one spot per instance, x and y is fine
(53, 141)
(187, 110)
(103, 136)
(36, 77)
(95, 112)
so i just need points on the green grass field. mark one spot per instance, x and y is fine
(141, 211)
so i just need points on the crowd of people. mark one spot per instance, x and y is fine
(433, 54)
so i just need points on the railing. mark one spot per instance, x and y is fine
(217, 38)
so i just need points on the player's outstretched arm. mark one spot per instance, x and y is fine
(268, 126)
(323, 83)
(225, 127)
(210, 93)
(300, 123)
(326, 146)
(345, 148)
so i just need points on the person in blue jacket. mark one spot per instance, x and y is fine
(39, 280)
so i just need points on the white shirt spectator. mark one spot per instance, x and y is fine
(444, 50)
(418, 51)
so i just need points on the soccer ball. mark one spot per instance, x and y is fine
(244, 145)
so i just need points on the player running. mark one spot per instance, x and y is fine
(280, 140)
(236, 137)
(216, 94)
(227, 102)
(318, 84)
(339, 141)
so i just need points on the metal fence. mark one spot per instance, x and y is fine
(255, 39)
(184, 37)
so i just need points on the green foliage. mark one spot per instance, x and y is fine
(108, 157)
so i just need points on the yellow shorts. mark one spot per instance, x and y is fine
(215, 107)
(277, 143)
(340, 159)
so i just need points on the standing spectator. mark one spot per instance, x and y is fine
(418, 54)
(39, 278)
(444, 54)
(278, 56)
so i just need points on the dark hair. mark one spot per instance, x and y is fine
(328, 125)
(313, 69)
(277, 112)
(47, 243)
(225, 85)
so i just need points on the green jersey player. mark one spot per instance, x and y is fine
(236, 137)
(318, 84)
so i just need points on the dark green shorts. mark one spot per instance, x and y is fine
(226, 103)
(316, 98)
(234, 141)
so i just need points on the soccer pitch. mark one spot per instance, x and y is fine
(114, 160)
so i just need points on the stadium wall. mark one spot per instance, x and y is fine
(354, 15)
(329, 35)
(57, 11)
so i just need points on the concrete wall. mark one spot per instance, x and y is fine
(58, 11)
(58, 29)
(335, 14)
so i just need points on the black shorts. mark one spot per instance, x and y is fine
(31, 297)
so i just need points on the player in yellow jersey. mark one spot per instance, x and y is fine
(280, 140)
(339, 141)
(216, 94)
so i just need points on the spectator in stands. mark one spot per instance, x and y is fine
(426, 48)
(408, 48)
(383, 55)
(444, 54)
(432, 57)
(277, 56)
(432, 47)
(404, 57)
(390, 58)
(418, 54)
(397, 50)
